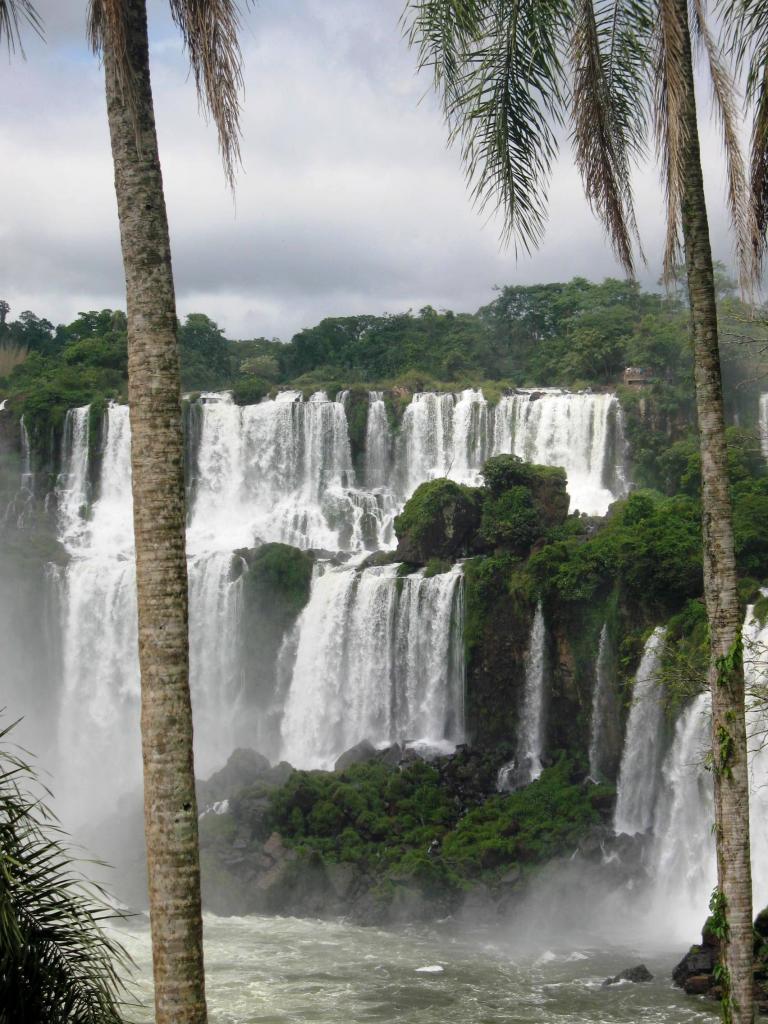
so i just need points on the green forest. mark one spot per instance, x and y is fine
(577, 334)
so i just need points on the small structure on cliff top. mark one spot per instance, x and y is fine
(638, 376)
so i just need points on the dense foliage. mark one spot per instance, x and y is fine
(574, 334)
(57, 965)
(425, 821)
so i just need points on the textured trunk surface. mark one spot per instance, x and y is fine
(170, 810)
(726, 672)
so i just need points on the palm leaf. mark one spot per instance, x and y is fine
(57, 965)
(609, 110)
(671, 98)
(12, 14)
(724, 102)
(498, 69)
(209, 30)
(746, 30)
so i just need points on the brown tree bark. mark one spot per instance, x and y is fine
(157, 462)
(733, 900)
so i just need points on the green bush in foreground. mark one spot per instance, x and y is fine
(57, 966)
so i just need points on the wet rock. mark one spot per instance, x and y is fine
(392, 755)
(242, 769)
(359, 754)
(637, 974)
(695, 973)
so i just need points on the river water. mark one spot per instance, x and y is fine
(293, 971)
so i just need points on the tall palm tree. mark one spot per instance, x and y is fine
(499, 68)
(118, 31)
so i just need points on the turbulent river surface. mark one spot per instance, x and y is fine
(292, 971)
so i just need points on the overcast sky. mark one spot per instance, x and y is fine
(348, 200)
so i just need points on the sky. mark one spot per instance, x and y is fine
(348, 200)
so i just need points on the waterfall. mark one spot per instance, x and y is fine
(683, 855)
(530, 740)
(373, 655)
(281, 471)
(27, 476)
(378, 657)
(602, 706)
(575, 431)
(377, 442)
(682, 858)
(639, 771)
(763, 421)
(72, 482)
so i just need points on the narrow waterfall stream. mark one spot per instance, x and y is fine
(763, 423)
(530, 740)
(639, 772)
(603, 700)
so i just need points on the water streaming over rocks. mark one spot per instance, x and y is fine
(282, 470)
(763, 422)
(682, 866)
(526, 765)
(379, 657)
(530, 741)
(603, 711)
(639, 772)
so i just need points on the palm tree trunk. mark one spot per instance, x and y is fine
(732, 903)
(170, 808)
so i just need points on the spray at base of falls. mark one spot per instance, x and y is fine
(639, 772)
(378, 657)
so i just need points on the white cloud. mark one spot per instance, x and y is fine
(347, 202)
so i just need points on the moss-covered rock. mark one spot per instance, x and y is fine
(508, 478)
(440, 520)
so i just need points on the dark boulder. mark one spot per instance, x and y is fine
(359, 754)
(695, 973)
(242, 769)
(636, 974)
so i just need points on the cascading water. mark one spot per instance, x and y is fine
(683, 855)
(99, 718)
(72, 483)
(763, 421)
(526, 766)
(530, 741)
(639, 772)
(379, 658)
(377, 442)
(282, 470)
(602, 707)
(574, 431)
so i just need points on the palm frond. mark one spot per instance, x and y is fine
(724, 103)
(57, 965)
(209, 30)
(443, 32)
(671, 124)
(13, 13)
(610, 109)
(746, 31)
(498, 68)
